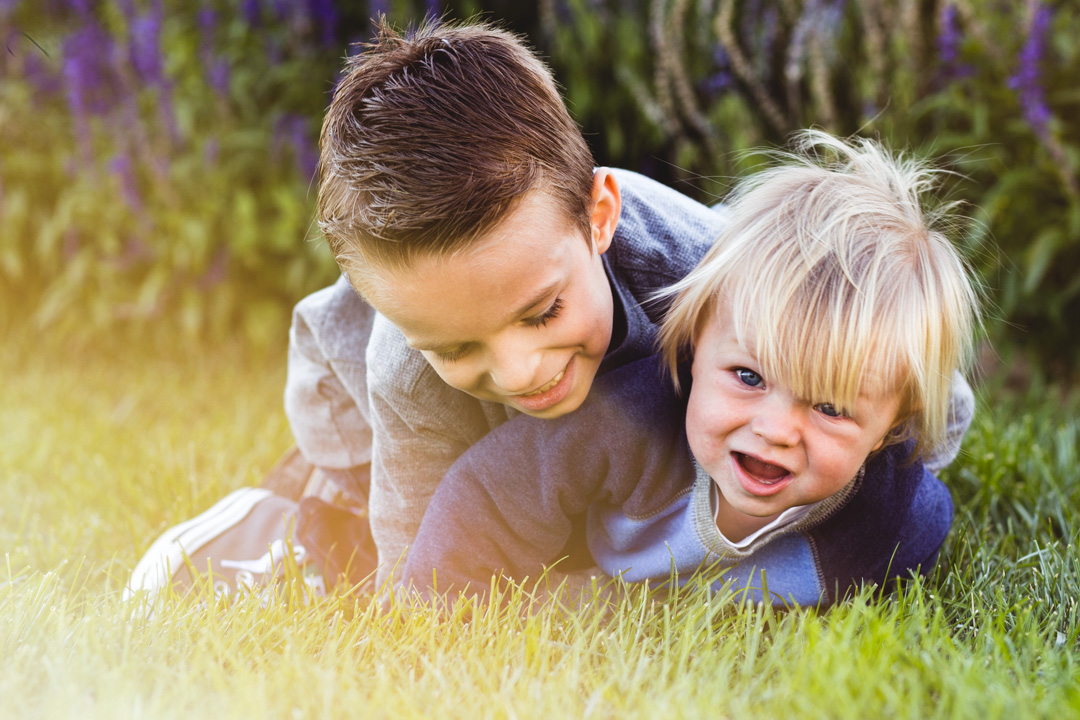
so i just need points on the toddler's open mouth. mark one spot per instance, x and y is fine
(759, 470)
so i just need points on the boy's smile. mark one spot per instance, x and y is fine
(766, 449)
(524, 317)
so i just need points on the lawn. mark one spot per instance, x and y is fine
(103, 448)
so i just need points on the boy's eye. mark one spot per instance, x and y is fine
(749, 377)
(830, 410)
(551, 313)
(452, 355)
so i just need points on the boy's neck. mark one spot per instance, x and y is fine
(735, 525)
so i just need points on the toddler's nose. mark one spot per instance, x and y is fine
(777, 423)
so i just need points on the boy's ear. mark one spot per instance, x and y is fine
(606, 205)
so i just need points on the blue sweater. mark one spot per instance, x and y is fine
(505, 506)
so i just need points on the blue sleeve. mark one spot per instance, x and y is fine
(505, 505)
(661, 236)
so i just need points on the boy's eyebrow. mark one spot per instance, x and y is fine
(536, 299)
(437, 344)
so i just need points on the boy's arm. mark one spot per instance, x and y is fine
(505, 506)
(326, 389)
(420, 427)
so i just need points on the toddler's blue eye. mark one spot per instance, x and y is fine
(829, 409)
(749, 377)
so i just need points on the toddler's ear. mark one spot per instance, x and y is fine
(606, 204)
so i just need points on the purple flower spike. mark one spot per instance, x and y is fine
(127, 7)
(721, 79)
(325, 18)
(124, 170)
(433, 8)
(7, 7)
(210, 151)
(948, 43)
(90, 80)
(948, 40)
(216, 272)
(251, 11)
(218, 76)
(88, 69)
(85, 8)
(291, 132)
(144, 48)
(1028, 78)
(379, 7)
(72, 243)
(207, 21)
(45, 81)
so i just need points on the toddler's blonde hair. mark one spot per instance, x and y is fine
(840, 281)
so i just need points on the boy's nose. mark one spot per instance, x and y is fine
(777, 423)
(513, 368)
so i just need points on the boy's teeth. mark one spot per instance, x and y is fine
(547, 386)
(766, 473)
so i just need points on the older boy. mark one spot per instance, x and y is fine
(461, 201)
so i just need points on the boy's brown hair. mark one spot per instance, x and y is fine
(431, 138)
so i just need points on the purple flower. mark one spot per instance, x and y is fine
(720, 80)
(218, 76)
(85, 8)
(216, 271)
(90, 79)
(378, 7)
(45, 80)
(283, 9)
(210, 151)
(7, 7)
(251, 11)
(291, 132)
(949, 40)
(144, 47)
(207, 22)
(1028, 78)
(88, 69)
(122, 167)
(72, 242)
(325, 18)
(135, 252)
(127, 7)
(433, 8)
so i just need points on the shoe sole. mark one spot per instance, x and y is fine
(167, 554)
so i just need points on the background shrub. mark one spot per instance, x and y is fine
(157, 155)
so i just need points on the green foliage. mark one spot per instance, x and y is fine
(682, 90)
(188, 195)
(159, 174)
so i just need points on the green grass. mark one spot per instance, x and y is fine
(102, 449)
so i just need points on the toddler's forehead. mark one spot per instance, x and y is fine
(803, 359)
